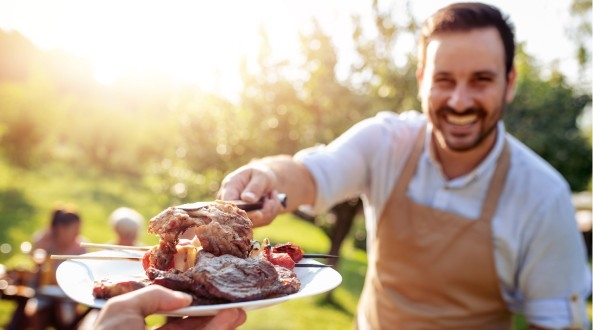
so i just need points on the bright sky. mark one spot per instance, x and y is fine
(202, 41)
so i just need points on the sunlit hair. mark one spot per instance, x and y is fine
(462, 17)
(64, 216)
(126, 221)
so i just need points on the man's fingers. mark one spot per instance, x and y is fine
(257, 218)
(228, 193)
(272, 207)
(231, 187)
(248, 183)
(255, 188)
(235, 183)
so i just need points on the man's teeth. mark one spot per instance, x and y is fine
(461, 120)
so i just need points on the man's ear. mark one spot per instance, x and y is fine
(419, 78)
(419, 74)
(511, 85)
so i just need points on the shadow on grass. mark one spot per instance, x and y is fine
(353, 274)
(328, 299)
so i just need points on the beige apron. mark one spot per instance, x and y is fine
(434, 269)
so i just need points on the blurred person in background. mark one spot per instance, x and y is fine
(63, 234)
(465, 224)
(127, 224)
(50, 307)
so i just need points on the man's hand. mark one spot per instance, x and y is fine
(265, 178)
(251, 183)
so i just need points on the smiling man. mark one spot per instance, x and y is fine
(465, 224)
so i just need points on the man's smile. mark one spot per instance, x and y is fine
(461, 119)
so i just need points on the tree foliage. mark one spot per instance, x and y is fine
(180, 141)
(385, 84)
(26, 111)
(544, 116)
(330, 106)
(580, 32)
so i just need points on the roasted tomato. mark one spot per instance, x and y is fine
(281, 259)
(146, 259)
(294, 251)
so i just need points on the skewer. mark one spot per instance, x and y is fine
(92, 257)
(146, 248)
(317, 255)
(115, 247)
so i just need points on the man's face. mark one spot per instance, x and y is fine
(464, 87)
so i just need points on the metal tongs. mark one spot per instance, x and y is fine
(243, 205)
(246, 206)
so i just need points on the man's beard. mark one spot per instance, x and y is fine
(441, 115)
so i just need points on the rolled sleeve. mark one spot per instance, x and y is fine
(558, 313)
(313, 160)
(555, 278)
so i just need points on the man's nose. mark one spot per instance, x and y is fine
(460, 98)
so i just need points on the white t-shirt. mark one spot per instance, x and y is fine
(539, 253)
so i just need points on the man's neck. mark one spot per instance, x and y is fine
(455, 164)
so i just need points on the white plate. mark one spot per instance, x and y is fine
(76, 278)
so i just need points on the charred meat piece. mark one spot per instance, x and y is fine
(105, 289)
(228, 278)
(222, 228)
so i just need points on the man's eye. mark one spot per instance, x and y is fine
(485, 78)
(443, 81)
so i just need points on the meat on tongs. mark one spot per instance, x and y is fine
(221, 228)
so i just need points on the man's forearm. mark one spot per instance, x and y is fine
(293, 179)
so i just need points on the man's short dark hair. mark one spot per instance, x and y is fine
(467, 16)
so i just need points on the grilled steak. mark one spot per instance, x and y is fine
(228, 278)
(222, 228)
(105, 289)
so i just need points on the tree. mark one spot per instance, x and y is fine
(270, 102)
(580, 32)
(329, 103)
(544, 116)
(27, 119)
(386, 84)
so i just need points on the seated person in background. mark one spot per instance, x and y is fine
(62, 237)
(126, 223)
